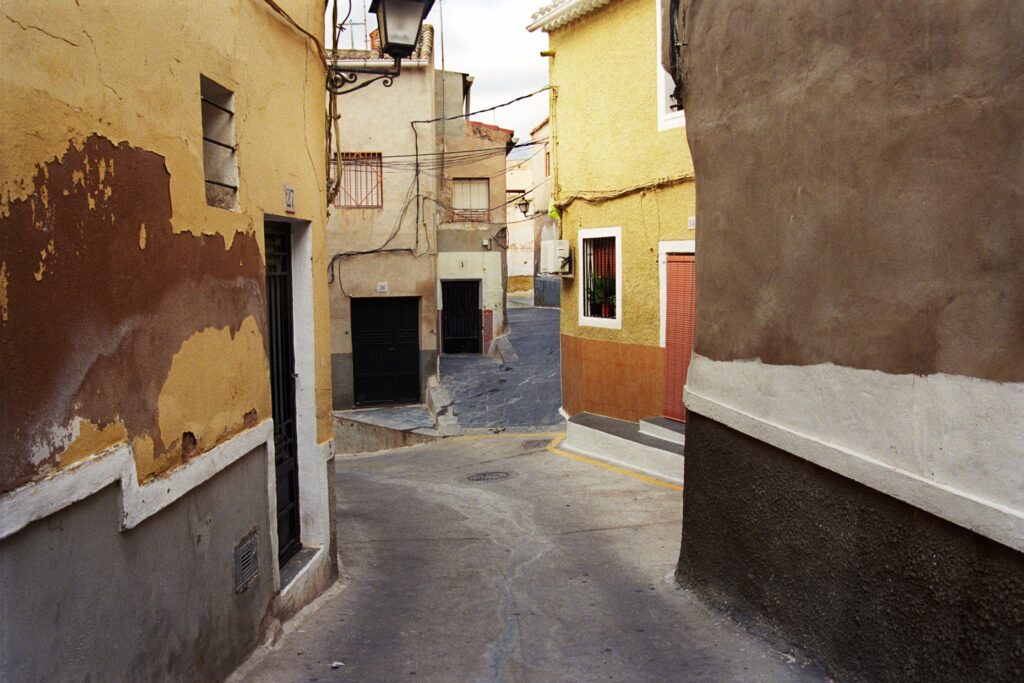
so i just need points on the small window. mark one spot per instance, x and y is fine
(547, 164)
(670, 112)
(362, 181)
(470, 200)
(220, 162)
(600, 284)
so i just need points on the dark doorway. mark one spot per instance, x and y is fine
(460, 317)
(282, 386)
(386, 350)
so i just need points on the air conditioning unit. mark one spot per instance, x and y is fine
(555, 257)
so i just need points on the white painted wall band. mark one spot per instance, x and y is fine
(950, 445)
(37, 500)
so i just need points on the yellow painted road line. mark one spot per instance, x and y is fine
(553, 448)
(557, 438)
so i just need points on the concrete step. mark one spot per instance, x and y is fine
(664, 429)
(369, 430)
(621, 443)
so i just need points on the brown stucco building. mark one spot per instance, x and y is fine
(166, 472)
(854, 479)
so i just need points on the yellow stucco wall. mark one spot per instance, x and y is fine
(129, 73)
(606, 141)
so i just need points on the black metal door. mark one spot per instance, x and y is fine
(386, 350)
(282, 386)
(460, 317)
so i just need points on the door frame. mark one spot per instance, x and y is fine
(479, 305)
(314, 494)
(665, 248)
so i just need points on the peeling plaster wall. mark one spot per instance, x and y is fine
(131, 310)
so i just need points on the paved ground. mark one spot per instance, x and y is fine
(523, 393)
(558, 573)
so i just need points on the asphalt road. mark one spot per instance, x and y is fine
(559, 572)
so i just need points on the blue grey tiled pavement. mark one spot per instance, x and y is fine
(524, 393)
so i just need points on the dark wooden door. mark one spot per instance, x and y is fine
(681, 299)
(282, 386)
(460, 318)
(386, 350)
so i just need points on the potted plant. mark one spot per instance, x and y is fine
(601, 295)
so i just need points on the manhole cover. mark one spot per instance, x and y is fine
(538, 443)
(488, 476)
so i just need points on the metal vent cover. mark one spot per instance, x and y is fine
(247, 562)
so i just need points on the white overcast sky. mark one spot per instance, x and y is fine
(488, 40)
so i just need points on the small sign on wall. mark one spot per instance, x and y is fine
(383, 288)
(289, 199)
(692, 223)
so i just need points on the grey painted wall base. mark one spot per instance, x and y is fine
(82, 600)
(343, 396)
(875, 588)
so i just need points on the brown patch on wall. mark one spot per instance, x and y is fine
(861, 183)
(625, 381)
(94, 320)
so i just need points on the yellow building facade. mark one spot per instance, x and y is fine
(621, 167)
(150, 150)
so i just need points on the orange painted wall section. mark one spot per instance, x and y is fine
(625, 381)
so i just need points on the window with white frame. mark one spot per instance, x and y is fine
(471, 199)
(220, 163)
(600, 277)
(670, 112)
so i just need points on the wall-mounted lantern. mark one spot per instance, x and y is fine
(400, 23)
(524, 205)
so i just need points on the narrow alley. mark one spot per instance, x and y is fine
(508, 341)
(502, 558)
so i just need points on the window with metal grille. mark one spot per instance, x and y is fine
(220, 163)
(362, 181)
(471, 200)
(599, 277)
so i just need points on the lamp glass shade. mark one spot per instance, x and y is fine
(400, 22)
(524, 206)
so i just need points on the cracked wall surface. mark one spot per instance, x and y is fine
(129, 309)
(95, 320)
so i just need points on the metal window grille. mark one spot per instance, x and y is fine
(220, 165)
(471, 200)
(362, 181)
(599, 277)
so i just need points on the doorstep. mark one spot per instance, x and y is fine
(623, 443)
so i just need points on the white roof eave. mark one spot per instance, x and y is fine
(557, 17)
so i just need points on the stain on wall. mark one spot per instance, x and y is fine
(98, 296)
(892, 241)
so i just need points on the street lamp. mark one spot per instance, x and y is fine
(400, 23)
(524, 205)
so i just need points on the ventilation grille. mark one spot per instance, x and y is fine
(247, 562)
